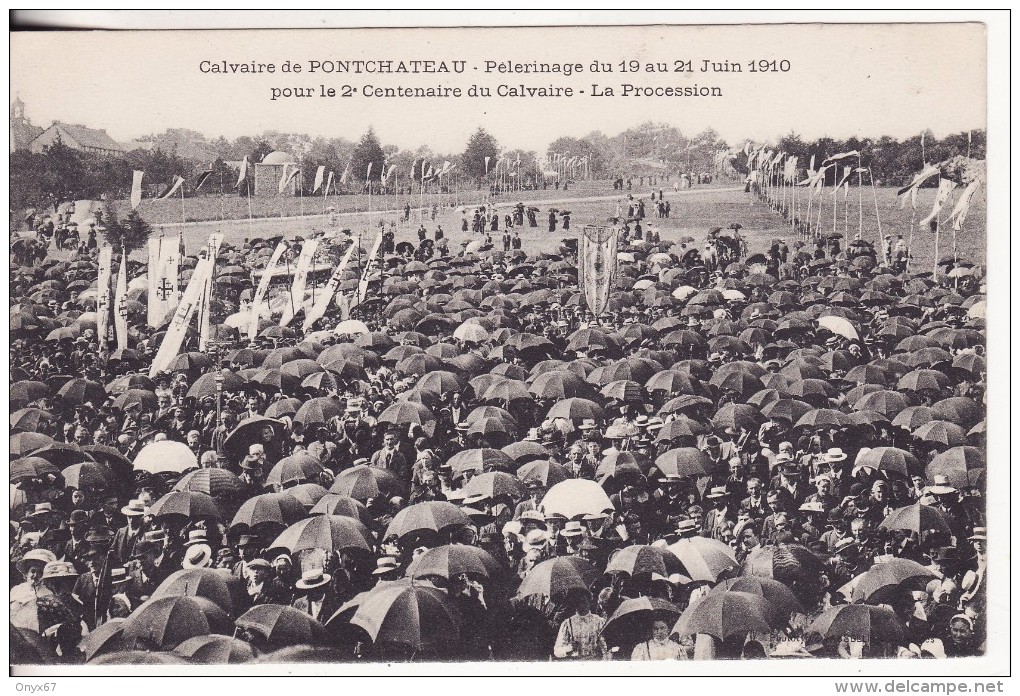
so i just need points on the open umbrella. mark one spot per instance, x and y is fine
(482, 459)
(105, 638)
(275, 508)
(187, 504)
(363, 482)
(576, 497)
(726, 613)
(558, 577)
(216, 650)
(547, 472)
(576, 409)
(632, 618)
(215, 584)
(782, 601)
(216, 483)
(495, 483)
(860, 622)
(883, 581)
(30, 420)
(165, 622)
(918, 518)
(87, 476)
(432, 516)
(891, 459)
(328, 532)
(961, 464)
(300, 467)
(704, 559)
(684, 462)
(22, 444)
(30, 468)
(790, 564)
(251, 431)
(450, 560)
(335, 504)
(408, 412)
(416, 616)
(643, 560)
(281, 626)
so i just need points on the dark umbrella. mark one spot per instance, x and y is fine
(30, 420)
(417, 616)
(80, 391)
(363, 482)
(335, 504)
(31, 467)
(883, 581)
(723, 614)
(216, 650)
(165, 622)
(87, 476)
(328, 532)
(557, 577)
(703, 559)
(782, 600)
(275, 508)
(451, 560)
(860, 622)
(917, 518)
(643, 560)
(633, 617)
(188, 504)
(432, 516)
(215, 584)
(282, 626)
(248, 432)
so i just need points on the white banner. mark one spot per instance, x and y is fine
(363, 283)
(164, 266)
(182, 317)
(120, 319)
(136, 188)
(318, 310)
(597, 264)
(103, 299)
(297, 290)
(263, 286)
(213, 247)
(946, 187)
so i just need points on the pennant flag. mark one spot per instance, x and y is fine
(297, 289)
(597, 266)
(318, 310)
(120, 315)
(928, 172)
(136, 188)
(263, 286)
(103, 299)
(244, 172)
(959, 214)
(778, 158)
(174, 336)
(202, 178)
(287, 178)
(841, 156)
(812, 165)
(178, 181)
(946, 187)
(204, 312)
(385, 176)
(790, 170)
(847, 171)
(329, 184)
(447, 165)
(363, 283)
(347, 170)
(369, 172)
(319, 173)
(414, 163)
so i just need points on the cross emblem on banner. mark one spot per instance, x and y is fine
(164, 289)
(122, 308)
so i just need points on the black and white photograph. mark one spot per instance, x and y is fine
(504, 343)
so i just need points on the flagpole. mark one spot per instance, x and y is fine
(874, 195)
(938, 226)
(860, 202)
(251, 227)
(183, 216)
(913, 216)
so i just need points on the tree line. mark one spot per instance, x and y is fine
(61, 173)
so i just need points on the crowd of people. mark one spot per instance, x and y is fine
(737, 461)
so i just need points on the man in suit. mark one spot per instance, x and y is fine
(127, 536)
(76, 547)
(390, 458)
(319, 600)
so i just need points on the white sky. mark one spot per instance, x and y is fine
(866, 80)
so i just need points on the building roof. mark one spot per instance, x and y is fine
(278, 157)
(22, 133)
(87, 137)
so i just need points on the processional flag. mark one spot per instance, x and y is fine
(959, 213)
(297, 290)
(202, 178)
(260, 290)
(367, 273)
(164, 266)
(287, 178)
(319, 173)
(597, 266)
(178, 182)
(103, 299)
(946, 187)
(243, 173)
(175, 334)
(120, 307)
(318, 310)
(136, 188)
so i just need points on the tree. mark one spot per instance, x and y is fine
(131, 233)
(367, 152)
(480, 146)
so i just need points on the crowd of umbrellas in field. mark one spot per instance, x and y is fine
(749, 462)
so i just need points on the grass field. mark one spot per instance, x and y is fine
(693, 212)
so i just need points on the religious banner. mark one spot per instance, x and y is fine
(164, 266)
(946, 187)
(597, 266)
(103, 299)
(120, 305)
(297, 289)
(178, 328)
(263, 286)
(213, 247)
(363, 283)
(318, 310)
